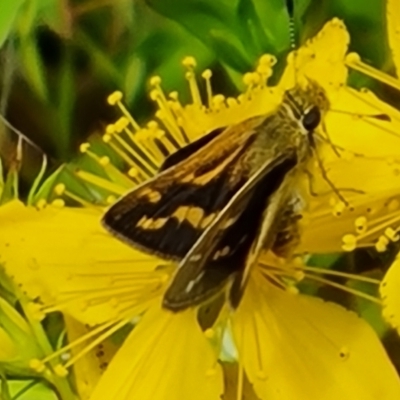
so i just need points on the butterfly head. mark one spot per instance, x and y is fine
(307, 104)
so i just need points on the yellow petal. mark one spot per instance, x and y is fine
(321, 58)
(165, 357)
(393, 25)
(390, 295)
(66, 259)
(299, 347)
(89, 368)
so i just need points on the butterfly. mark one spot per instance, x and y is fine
(216, 203)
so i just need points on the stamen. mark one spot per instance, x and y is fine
(344, 288)
(77, 342)
(239, 392)
(96, 342)
(353, 61)
(60, 190)
(207, 74)
(115, 99)
(100, 182)
(355, 277)
(190, 64)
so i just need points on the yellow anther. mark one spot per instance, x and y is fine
(114, 98)
(391, 234)
(60, 370)
(106, 138)
(41, 203)
(267, 59)
(84, 147)
(338, 209)
(207, 74)
(110, 129)
(59, 189)
(209, 333)
(174, 96)
(353, 58)
(152, 125)
(218, 100)
(264, 70)
(361, 224)
(133, 172)
(37, 365)
(155, 81)
(58, 203)
(256, 78)
(381, 244)
(160, 134)
(299, 276)
(349, 242)
(104, 161)
(189, 62)
(292, 289)
(121, 124)
(232, 102)
(248, 78)
(189, 75)
(154, 94)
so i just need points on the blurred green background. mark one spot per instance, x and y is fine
(61, 58)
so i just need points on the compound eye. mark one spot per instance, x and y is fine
(311, 118)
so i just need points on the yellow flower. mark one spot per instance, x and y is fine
(307, 346)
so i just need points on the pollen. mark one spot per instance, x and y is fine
(189, 62)
(361, 224)
(103, 161)
(37, 365)
(58, 203)
(110, 129)
(114, 98)
(338, 209)
(60, 370)
(392, 234)
(41, 203)
(381, 244)
(84, 147)
(59, 189)
(155, 81)
(121, 124)
(349, 242)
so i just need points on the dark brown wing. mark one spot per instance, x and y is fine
(167, 214)
(224, 248)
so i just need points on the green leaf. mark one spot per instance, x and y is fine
(33, 66)
(30, 390)
(8, 12)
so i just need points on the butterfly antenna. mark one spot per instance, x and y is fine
(292, 30)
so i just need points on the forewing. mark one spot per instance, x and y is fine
(223, 247)
(168, 214)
